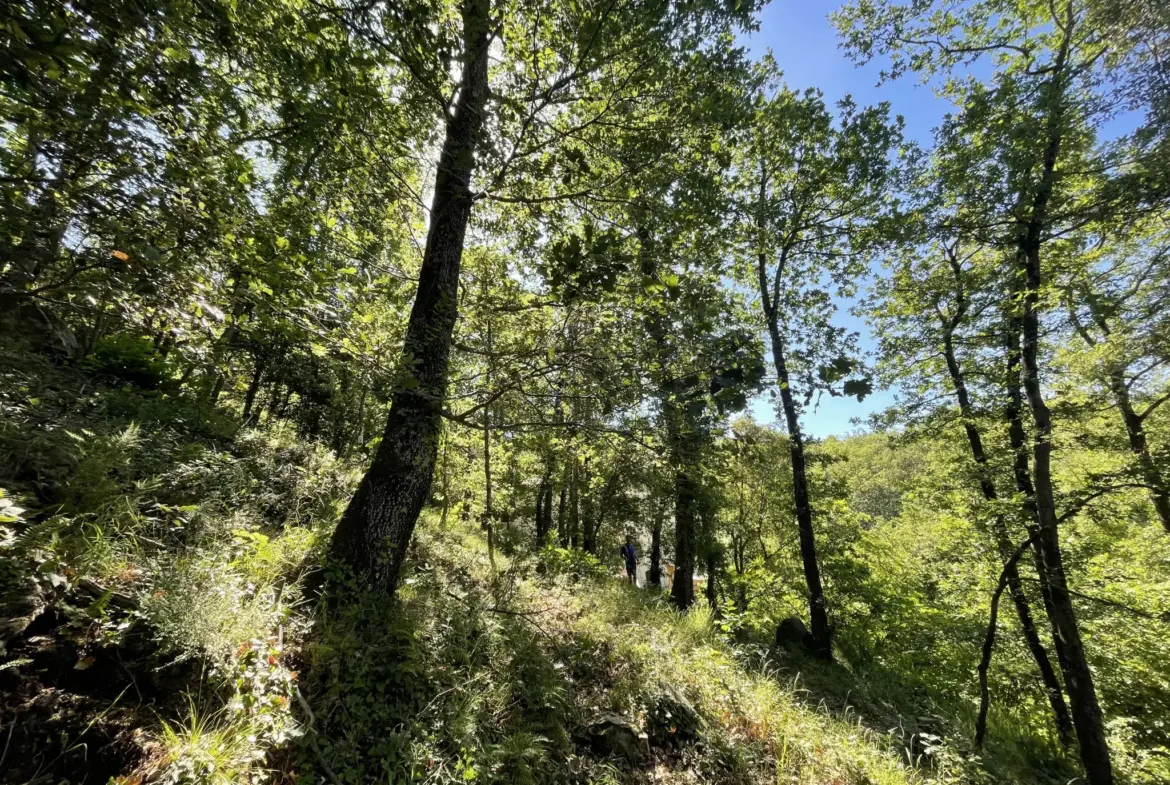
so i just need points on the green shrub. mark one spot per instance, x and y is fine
(129, 358)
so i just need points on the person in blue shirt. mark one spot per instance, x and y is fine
(631, 559)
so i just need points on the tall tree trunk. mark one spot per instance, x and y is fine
(373, 535)
(822, 646)
(686, 507)
(1004, 544)
(821, 632)
(1022, 473)
(1078, 677)
(682, 590)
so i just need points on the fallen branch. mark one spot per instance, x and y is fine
(312, 737)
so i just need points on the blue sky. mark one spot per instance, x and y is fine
(805, 45)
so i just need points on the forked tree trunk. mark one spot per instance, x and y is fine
(1078, 678)
(1004, 544)
(375, 531)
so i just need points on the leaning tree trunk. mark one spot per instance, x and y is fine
(373, 535)
(1135, 430)
(1078, 678)
(1003, 542)
(1087, 719)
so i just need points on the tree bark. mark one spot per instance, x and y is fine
(562, 507)
(1138, 444)
(1159, 488)
(654, 574)
(1003, 542)
(1086, 711)
(682, 591)
(373, 535)
(253, 388)
(821, 632)
(686, 504)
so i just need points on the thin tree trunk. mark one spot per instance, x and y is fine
(445, 475)
(1134, 422)
(253, 388)
(224, 344)
(712, 587)
(541, 491)
(487, 450)
(821, 632)
(373, 535)
(574, 505)
(487, 484)
(562, 508)
(1138, 444)
(361, 416)
(1003, 541)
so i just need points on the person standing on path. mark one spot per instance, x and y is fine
(631, 559)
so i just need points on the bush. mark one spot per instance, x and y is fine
(129, 358)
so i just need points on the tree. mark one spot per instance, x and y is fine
(557, 83)
(813, 194)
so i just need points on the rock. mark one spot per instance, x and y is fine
(613, 735)
(672, 720)
(792, 634)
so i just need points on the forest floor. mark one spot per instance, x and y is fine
(155, 629)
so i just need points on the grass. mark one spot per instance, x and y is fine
(501, 677)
